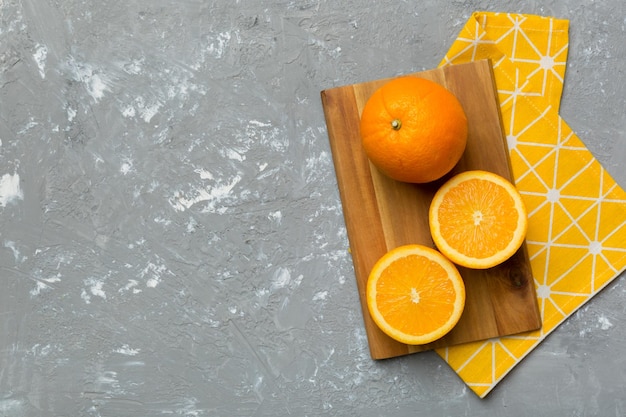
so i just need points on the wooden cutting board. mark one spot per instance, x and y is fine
(381, 213)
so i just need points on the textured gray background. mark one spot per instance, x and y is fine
(171, 234)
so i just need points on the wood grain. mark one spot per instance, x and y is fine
(381, 213)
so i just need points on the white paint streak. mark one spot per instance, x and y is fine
(129, 112)
(91, 77)
(10, 189)
(163, 221)
(127, 350)
(189, 407)
(146, 110)
(32, 123)
(108, 382)
(212, 195)
(52, 280)
(213, 323)
(131, 286)
(204, 174)
(44, 284)
(320, 295)
(192, 225)
(9, 244)
(133, 67)
(234, 155)
(605, 323)
(281, 279)
(41, 351)
(180, 89)
(298, 280)
(71, 114)
(259, 123)
(40, 56)
(154, 274)
(277, 216)
(134, 363)
(94, 289)
(39, 286)
(147, 113)
(127, 167)
(218, 47)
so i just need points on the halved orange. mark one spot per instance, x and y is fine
(415, 295)
(478, 219)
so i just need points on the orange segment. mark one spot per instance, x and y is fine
(415, 295)
(478, 219)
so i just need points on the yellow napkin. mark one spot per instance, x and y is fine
(577, 212)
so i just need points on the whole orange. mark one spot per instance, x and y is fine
(413, 129)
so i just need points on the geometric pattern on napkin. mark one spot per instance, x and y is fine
(576, 211)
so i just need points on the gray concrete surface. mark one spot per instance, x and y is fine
(171, 234)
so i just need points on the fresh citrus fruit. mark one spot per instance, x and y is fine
(477, 219)
(415, 295)
(413, 129)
